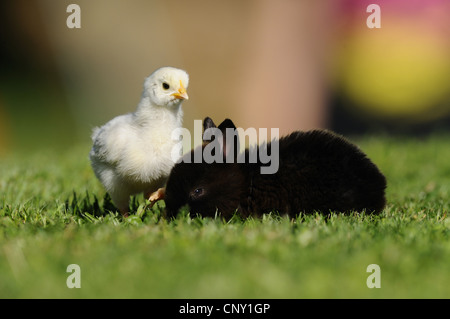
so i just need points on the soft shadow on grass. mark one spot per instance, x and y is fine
(88, 207)
(80, 205)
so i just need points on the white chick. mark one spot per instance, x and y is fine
(132, 152)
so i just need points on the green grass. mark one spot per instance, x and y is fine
(53, 213)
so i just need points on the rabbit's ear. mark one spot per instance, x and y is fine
(208, 123)
(226, 145)
(230, 140)
(227, 123)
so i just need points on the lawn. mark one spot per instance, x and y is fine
(53, 213)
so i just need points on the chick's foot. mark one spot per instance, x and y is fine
(155, 196)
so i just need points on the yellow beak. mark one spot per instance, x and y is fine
(181, 94)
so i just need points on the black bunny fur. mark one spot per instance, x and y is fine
(318, 171)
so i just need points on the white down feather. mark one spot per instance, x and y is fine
(132, 152)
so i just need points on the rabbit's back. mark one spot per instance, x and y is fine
(318, 171)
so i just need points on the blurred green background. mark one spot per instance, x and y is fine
(286, 64)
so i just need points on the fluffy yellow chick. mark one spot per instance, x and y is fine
(132, 152)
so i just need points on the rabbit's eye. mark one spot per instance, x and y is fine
(197, 193)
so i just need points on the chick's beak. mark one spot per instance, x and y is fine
(181, 94)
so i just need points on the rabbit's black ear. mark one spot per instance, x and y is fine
(208, 123)
(226, 145)
(227, 123)
(230, 143)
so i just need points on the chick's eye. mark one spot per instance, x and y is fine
(165, 86)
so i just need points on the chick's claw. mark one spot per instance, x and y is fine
(155, 196)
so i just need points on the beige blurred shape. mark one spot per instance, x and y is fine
(256, 62)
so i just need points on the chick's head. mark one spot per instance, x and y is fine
(167, 86)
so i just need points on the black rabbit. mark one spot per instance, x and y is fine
(318, 171)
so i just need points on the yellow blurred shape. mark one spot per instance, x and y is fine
(396, 71)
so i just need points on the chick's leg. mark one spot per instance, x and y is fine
(155, 196)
